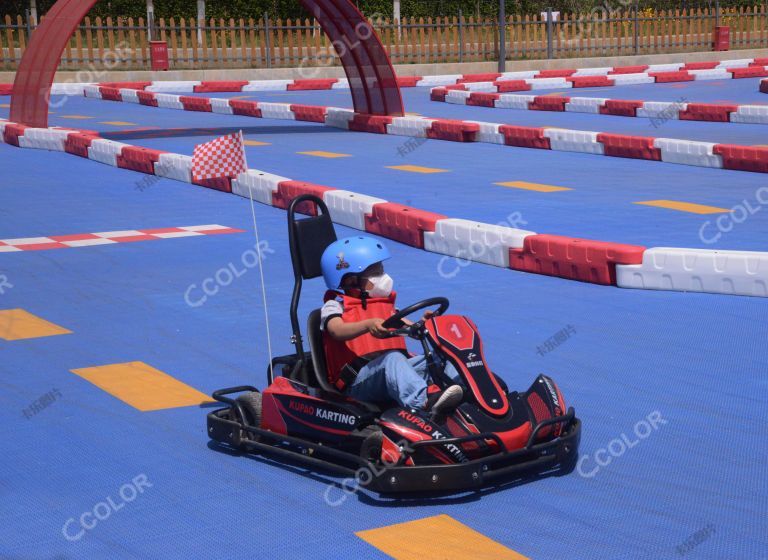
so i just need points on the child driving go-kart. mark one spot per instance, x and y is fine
(364, 360)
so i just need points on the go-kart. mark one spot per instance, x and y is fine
(493, 434)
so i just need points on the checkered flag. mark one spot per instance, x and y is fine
(222, 157)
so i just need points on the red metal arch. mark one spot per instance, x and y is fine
(372, 79)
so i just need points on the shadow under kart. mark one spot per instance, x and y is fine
(493, 435)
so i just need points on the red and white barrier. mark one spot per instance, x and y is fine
(565, 140)
(259, 185)
(688, 152)
(349, 208)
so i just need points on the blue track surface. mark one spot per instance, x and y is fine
(698, 360)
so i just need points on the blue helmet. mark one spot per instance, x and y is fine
(350, 255)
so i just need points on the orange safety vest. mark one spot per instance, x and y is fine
(342, 353)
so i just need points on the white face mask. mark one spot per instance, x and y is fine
(382, 285)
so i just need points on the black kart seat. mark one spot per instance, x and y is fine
(317, 351)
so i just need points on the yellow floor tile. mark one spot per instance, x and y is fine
(5, 105)
(320, 153)
(684, 206)
(255, 143)
(142, 386)
(118, 123)
(532, 186)
(417, 169)
(17, 324)
(436, 538)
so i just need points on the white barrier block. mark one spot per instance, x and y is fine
(343, 83)
(173, 87)
(339, 118)
(105, 151)
(698, 270)
(688, 152)
(3, 122)
(549, 83)
(593, 71)
(444, 80)
(92, 92)
(174, 166)
(519, 75)
(276, 111)
(514, 101)
(44, 138)
(221, 106)
(671, 67)
(69, 88)
(585, 104)
(489, 132)
(348, 208)
(716, 74)
(260, 184)
(738, 63)
(457, 96)
(664, 110)
(631, 79)
(574, 141)
(474, 241)
(130, 95)
(481, 86)
(168, 101)
(755, 114)
(409, 126)
(267, 85)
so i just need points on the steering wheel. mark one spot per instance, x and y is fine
(396, 320)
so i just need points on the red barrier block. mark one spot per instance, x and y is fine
(708, 112)
(473, 78)
(401, 223)
(743, 158)
(455, 131)
(126, 85)
(621, 107)
(147, 98)
(12, 132)
(288, 190)
(138, 159)
(77, 143)
(6, 89)
(223, 184)
(637, 147)
(759, 62)
(629, 69)
(556, 73)
(524, 137)
(459, 87)
(590, 81)
(298, 85)
(310, 113)
(223, 86)
(438, 94)
(764, 86)
(408, 81)
(200, 104)
(700, 65)
(376, 124)
(245, 108)
(578, 259)
(505, 86)
(750, 72)
(482, 99)
(548, 103)
(677, 76)
(110, 93)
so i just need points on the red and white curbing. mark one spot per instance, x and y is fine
(628, 266)
(669, 150)
(655, 110)
(496, 82)
(109, 237)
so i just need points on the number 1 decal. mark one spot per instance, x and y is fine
(455, 330)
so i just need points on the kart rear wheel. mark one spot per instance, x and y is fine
(251, 405)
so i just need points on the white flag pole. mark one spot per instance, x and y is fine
(261, 265)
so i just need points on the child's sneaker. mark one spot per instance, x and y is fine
(450, 399)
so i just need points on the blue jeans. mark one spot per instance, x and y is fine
(398, 377)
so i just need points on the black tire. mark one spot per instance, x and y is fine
(250, 403)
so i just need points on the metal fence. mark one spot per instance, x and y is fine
(123, 43)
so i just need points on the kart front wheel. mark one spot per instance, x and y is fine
(250, 403)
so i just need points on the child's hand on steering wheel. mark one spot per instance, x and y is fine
(376, 328)
(428, 314)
